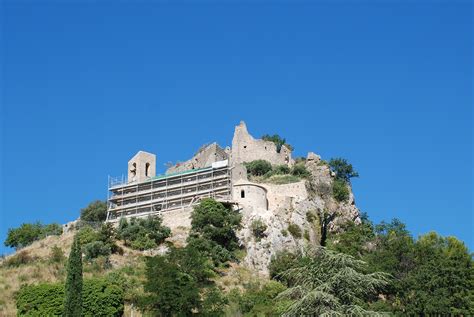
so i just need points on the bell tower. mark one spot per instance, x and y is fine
(141, 167)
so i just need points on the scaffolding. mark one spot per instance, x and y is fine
(165, 193)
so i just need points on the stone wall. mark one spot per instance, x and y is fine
(203, 158)
(250, 195)
(141, 167)
(246, 149)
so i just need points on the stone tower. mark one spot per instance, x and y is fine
(141, 167)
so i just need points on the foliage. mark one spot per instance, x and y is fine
(258, 167)
(278, 140)
(281, 170)
(353, 239)
(143, 234)
(295, 230)
(340, 190)
(96, 211)
(213, 303)
(21, 258)
(300, 171)
(87, 234)
(258, 228)
(343, 170)
(73, 288)
(259, 300)
(442, 280)
(95, 249)
(99, 298)
(331, 283)
(211, 249)
(213, 221)
(173, 282)
(57, 255)
(281, 262)
(432, 275)
(27, 233)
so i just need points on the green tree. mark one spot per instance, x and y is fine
(442, 280)
(331, 283)
(343, 170)
(340, 190)
(278, 140)
(96, 211)
(142, 234)
(353, 238)
(216, 222)
(173, 282)
(73, 298)
(28, 233)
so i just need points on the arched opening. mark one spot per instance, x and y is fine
(134, 169)
(147, 169)
(242, 193)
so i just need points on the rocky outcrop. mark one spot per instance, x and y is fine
(293, 204)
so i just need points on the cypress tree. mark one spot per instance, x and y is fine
(73, 299)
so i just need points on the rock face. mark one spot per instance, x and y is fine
(293, 204)
(297, 205)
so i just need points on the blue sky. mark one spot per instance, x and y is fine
(87, 84)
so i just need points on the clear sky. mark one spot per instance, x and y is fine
(387, 85)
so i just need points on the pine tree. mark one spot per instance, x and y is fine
(73, 299)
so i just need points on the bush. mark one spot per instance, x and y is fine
(281, 170)
(99, 298)
(21, 258)
(340, 190)
(284, 232)
(95, 249)
(96, 211)
(27, 233)
(258, 167)
(278, 140)
(343, 170)
(259, 300)
(258, 229)
(87, 235)
(213, 221)
(56, 255)
(295, 230)
(282, 262)
(300, 171)
(143, 234)
(306, 235)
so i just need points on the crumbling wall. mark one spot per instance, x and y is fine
(246, 149)
(203, 158)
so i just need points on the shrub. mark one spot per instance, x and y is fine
(143, 234)
(278, 140)
(300, 171)
(87, 234)
(214, 221)
(95, 249)
(295, 230)
(281, 170)
(96, 211)
(99, 298)
(259, 300)
(343, 170)
(56, 255)
(340, 190)
(306, 235)
(258, 229)
(258, 167)
(21, 258)
(27, 233)
(282, 262)
(284, 232)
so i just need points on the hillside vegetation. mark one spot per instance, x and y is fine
(142, 268)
